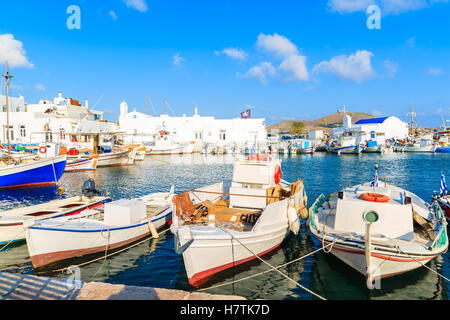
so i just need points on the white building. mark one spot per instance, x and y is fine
(203, 130)
(315, 134)
(376, 129)
(63, 120)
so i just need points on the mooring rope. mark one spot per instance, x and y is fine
(273, 268)
(267, 271)
(423, 265)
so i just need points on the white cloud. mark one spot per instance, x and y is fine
(434, 71)
(12, 50)
(260, 72)
(349, 6)
(113, 15)
(178, 60)
(355, 67)
(279, 45)
(40, 87)
(387, 6)
(391, 68)
(139, 5)
(296, 66)
(411, 42)
(293, 62)
(235, 53)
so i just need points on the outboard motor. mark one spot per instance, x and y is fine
(89, 190)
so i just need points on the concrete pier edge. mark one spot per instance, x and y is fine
(29, 287)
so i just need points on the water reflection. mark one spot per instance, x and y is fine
(156, 264)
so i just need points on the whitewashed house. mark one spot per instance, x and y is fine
(375, 129)
(202, 130)
(62, 120)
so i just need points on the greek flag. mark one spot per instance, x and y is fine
(443, 189)
(374, 180)
(253, 149)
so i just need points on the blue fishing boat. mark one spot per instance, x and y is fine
(40, 172)
(443, 149)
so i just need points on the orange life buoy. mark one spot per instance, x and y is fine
(374, 197)
(277, 175)
(43, 149)
(251, 158)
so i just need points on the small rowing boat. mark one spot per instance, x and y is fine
(56, 242)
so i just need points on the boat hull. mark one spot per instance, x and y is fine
(81, 165)
(49, 246)
(310, 150)
(425, 149)
(117, 159)
(37, 173)
(443, 149)
(347, 150)
(223, 254)
(445, 206)
(384, 264)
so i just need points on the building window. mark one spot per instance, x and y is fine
(222, 136)
(85, 138)
(73, 138)
(62, 134)
(48, 136)
(22, 131)
(198, 136)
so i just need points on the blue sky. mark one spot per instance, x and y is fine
(284, 59)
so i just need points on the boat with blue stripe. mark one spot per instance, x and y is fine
(56, 242)
(31, 173)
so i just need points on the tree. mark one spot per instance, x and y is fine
(297, 127)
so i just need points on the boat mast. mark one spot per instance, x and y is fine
(7, 77)
(164, 100)
(147, 105)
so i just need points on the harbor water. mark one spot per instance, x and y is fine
(154, 263)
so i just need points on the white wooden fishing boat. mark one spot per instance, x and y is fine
(423, 145)
(306, 147)
(56, 242)
(220, 226)
(380, 232)
(82, 164)
(117, 158)
(11, 221)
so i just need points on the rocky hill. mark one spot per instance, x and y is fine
(325, 123)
